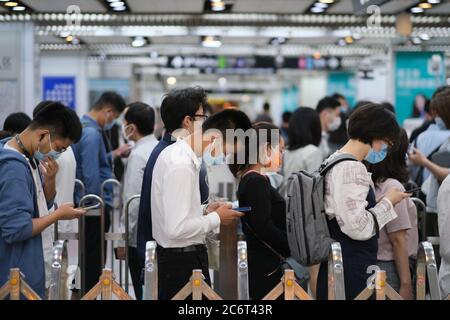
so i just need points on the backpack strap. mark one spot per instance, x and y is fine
(332, 161)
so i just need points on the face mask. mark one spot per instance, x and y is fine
(109, 125)
(335, 124)
(210, 160)
(39, 156)
(440, 123)
(374, 157)
(124, 132)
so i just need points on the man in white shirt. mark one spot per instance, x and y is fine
(330, 120)
(138, 124)
(179, 224)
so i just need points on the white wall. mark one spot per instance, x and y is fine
(313, 87)
(68, 64)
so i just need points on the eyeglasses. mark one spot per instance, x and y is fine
(204, 116)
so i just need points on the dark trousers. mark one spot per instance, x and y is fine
(135, 271)
(92, 249)
(175, 270)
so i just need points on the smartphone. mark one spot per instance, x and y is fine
(91, 207)
(243, 209)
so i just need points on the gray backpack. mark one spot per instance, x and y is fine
(307, 230)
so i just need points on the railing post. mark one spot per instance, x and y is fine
(227, 288)
(197, 279)
(380, 284)
(427, 269)
(150, 272)
(243, 290)
(336, 283)
(82, 238)
(126, 236)
(14, 284)
(57, 290)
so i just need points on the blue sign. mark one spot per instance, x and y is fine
(61, 89)
(416, 73)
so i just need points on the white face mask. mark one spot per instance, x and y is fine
(335, 124)
(124, 132)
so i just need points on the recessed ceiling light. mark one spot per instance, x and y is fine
(317, 10)
(416, 40)
(171, 81)
(217, 5)
(416, 10)
(425, 5)
(425, 36)
(11, 4)
(19, 8)
(321, 5)
(138, 42)
(117, 4)
(211, 42)
(119, 8)
(434, 1)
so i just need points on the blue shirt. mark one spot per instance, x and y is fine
(144, 229)
(93, 164)
(429, 141)
(18, 203)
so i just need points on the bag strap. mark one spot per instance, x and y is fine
(331, 162)
(264, 242)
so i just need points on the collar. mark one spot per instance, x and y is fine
(87, 121)
(145, 139)
(187, 148)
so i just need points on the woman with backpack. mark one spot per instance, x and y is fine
(399, 239)
(265, 225)
(354, 217)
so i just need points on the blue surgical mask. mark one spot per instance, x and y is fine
(440, 123)
(39, 156)
(374, 157)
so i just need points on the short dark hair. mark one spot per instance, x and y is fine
(286, 116)
(266, 106)
(112, 99)
(327, 103)
(389, 106)
(373, 122)
(227, 119)
(394, 166)
(59, 120)
(440, 105)
(361, 103)
(304, 128)
(16, 122)
(40, 106)
(337, 96)
(180, 103)
(142, 116)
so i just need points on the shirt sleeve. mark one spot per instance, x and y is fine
(17, 206)
(402, 222)
(178, 222)
(350, 184)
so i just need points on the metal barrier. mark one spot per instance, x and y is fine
(422, 216)
(58, 289)
(380, 287)
(242, 270)
(336, 284)
(107, 286)
(426, 269)
(114, 236)
(150, 272)
(17, 285)
(82, 241)
(289, 287)
(197, 287)
(82, 187)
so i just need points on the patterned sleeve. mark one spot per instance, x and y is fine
(348, 184)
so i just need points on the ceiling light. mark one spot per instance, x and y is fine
(123, 8)
(424, 37)
(117, 4)
(349, 40)
(416, 10)
(19, 8)
(326, 1)
(217, 5)
(434, 1)
(138, 42)
(342, 43)
(321, 5)
(425, 5)
(11, 4)
(211, 42)
(317, 10)
(171, 81)
(222, 81)
(69, 38)
(416, 40)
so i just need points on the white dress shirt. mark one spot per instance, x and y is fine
(132, 182)
(346, 187)
(177, 217)
(65, 185)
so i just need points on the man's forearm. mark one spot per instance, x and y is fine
(50, 190)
